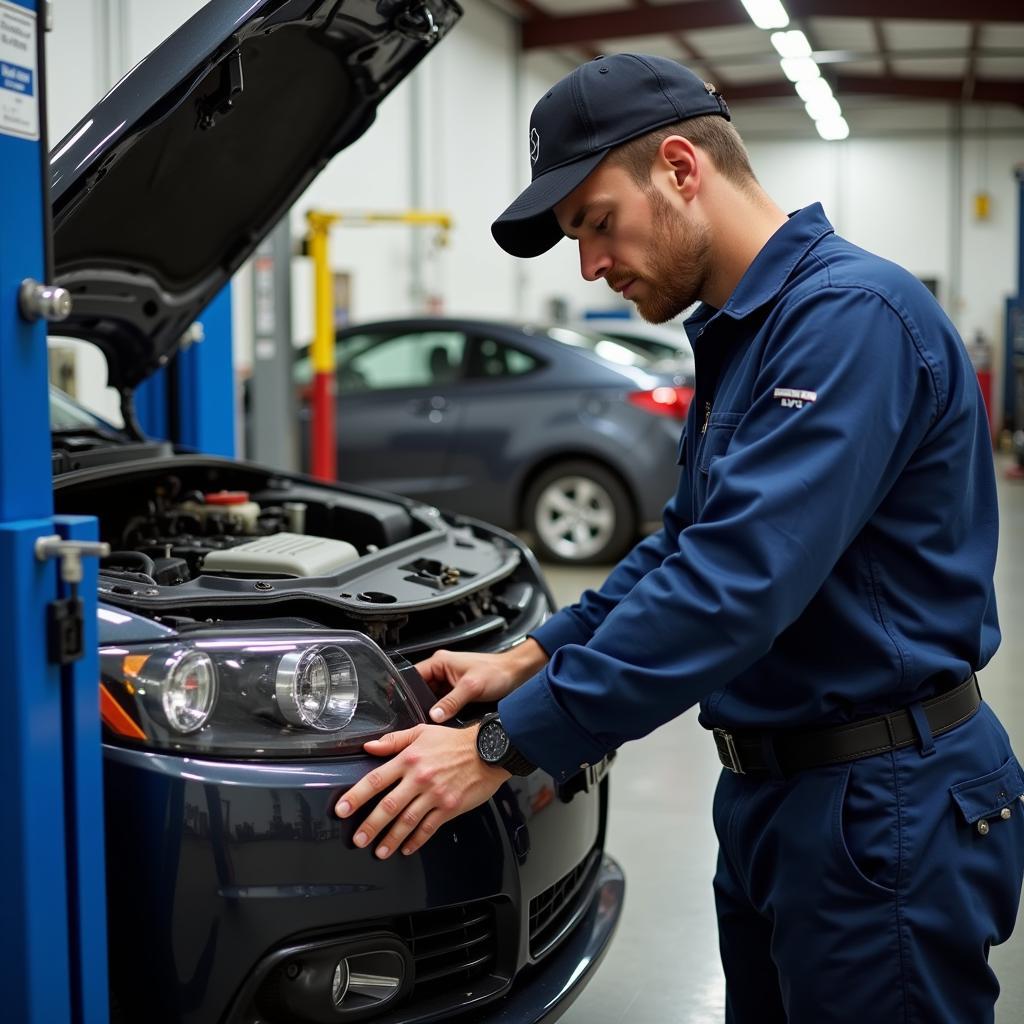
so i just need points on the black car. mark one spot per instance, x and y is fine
(564, 432)
(257, 627)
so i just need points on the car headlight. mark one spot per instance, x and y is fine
(256, 696)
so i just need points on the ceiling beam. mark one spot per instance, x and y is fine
(541, 30)
(689, 49)
(913, 10)
(972, 62)
(631, 21)
(880, 42)
(991, 90)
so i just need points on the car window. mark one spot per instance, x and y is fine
(658, 349)
(413, 359)
(623, 353)
(490, 358)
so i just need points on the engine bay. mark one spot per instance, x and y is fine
(182, 536)
(201, 540)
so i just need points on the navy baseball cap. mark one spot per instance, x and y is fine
(597, 106)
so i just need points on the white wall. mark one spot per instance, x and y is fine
(903, 199)
(454, 137)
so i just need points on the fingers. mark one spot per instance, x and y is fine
(468, 689)
(428, 826)
(406, 822)
(396, 806)
(391, 742)
(434, 670)
(369, 786)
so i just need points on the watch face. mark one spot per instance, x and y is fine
(492, 742)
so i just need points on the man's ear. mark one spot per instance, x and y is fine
(678, 156)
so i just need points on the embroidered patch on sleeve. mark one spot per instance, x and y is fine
(792, 398)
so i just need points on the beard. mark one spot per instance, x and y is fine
(676, 264)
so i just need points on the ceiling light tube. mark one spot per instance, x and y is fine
(825, 108)
(798, 69)
(791, 44)
(811, 89)
(833, 129)
(767, 13)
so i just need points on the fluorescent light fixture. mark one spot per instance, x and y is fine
(798, 69)
(833, 129)
(811, 89)
(824, 109)
(767, 13)
(791, 44)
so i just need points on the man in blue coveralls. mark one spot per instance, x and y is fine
(822, 583)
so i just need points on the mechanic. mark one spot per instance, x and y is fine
(822, 583)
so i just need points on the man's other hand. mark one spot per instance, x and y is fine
(460, 678)
(436, 774)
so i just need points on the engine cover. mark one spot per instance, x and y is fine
(283, 554)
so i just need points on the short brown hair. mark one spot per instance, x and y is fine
(716, 136)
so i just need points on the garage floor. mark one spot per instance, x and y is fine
(663, 966)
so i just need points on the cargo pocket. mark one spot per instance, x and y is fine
(986, 802)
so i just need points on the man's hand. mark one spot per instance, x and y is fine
(439, 776)
(460, 678)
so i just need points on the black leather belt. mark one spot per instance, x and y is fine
(745, 752)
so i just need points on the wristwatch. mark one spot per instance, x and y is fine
(494, 747)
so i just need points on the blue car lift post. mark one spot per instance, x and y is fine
(53, 913)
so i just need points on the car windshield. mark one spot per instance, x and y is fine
(614, 350)
(68, 417)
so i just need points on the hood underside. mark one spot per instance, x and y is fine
(164, 189)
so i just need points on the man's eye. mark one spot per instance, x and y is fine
(603, 225)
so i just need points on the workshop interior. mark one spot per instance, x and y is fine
(279, 420)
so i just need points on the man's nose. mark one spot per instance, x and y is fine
(594, 262)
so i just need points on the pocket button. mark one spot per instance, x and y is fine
(983, 827)
(1004, 813)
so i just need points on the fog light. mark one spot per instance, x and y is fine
(339, 984)
(330, 982)
(367, 979)
(317, 688)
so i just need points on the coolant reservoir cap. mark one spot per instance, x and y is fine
(226, 497)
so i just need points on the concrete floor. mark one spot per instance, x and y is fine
(663, 965)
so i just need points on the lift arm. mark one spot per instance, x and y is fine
(323, 448)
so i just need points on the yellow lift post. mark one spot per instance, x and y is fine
(323, 453)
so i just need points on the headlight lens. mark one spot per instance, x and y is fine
(317, 687)
(265, 696)
(190, 691)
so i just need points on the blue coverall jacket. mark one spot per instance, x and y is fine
(829, 552)
(828, 556)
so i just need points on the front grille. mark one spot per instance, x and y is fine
(554, 909)
(450, 947)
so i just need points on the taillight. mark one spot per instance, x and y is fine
(664, 401)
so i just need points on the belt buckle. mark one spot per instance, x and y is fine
(727, 752)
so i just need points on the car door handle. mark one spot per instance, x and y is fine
(432, 408)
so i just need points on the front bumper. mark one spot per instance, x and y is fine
(545, 992)
(220, 874)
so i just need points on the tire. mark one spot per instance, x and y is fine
(579, 514)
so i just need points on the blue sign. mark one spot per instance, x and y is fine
(16, 78)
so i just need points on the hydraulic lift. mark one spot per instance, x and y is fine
(323, 451)
(53, 916)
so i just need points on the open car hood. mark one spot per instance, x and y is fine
(168, 184)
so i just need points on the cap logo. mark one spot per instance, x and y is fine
(534, 145)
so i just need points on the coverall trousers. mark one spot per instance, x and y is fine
(871, 892)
